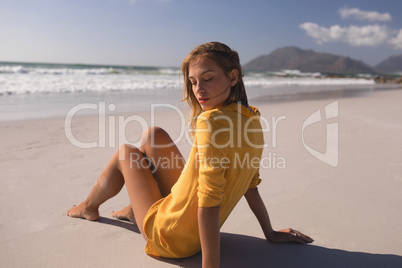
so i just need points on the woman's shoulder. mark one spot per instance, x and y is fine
(209, 119)
(231, 110)
(210, 114)
(216, 117)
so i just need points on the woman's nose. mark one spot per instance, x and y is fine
(199, 87)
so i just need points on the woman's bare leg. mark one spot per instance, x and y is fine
(158, 147)
(108, 184)
(141, 186)
(127, 166)
(160, 150)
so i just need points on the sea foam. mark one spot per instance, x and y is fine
(45, 78)
(30, 90)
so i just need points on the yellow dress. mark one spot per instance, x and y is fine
(223, 164)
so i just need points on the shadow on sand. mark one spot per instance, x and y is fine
(120, 223)
(246, 251)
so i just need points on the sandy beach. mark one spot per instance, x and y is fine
(352, 209)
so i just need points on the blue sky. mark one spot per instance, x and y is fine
(161, 32)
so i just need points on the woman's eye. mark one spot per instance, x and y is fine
(208, 79)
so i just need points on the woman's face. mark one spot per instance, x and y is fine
(211, 86)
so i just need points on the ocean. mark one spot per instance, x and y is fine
(39, 90)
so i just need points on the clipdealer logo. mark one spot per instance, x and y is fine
(330, 156)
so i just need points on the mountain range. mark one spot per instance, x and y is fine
(294, 58)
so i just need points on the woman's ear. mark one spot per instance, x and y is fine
(234, 77)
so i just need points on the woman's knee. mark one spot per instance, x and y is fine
(132, 155)
(154, 131)
(133, 158)
(155, 136)
(127, 148)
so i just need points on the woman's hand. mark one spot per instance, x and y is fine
(285, 235)
(289, 235)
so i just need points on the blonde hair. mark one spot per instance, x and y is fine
(226, 58)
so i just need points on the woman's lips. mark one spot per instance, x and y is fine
(203, 100)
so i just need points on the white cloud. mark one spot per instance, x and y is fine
(397, 41)
(369, 35)
(357, 14)
(320, 34)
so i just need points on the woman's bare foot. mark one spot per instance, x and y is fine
(81, 211)
(124, 214)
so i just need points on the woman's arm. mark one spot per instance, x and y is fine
(208, 224)
(258, 208)
(286, 235)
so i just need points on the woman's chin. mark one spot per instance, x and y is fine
(209, 106)
(205, 107)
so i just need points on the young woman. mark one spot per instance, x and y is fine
(179, 209)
